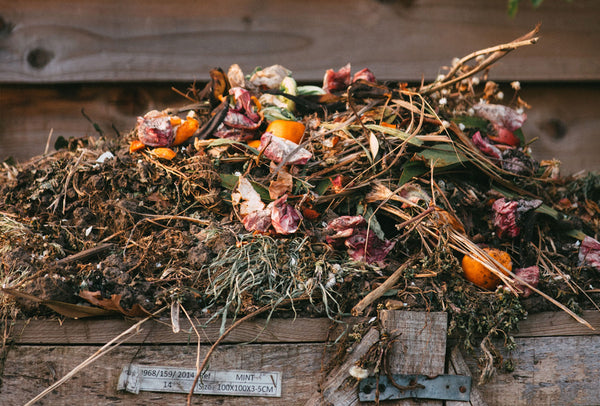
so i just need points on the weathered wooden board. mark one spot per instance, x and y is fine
(418, 346)
(548, 371)
(563, 117)
(125, 40)
(565, 121)
(101, 331)
(31, 369)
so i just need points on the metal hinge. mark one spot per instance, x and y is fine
(442, 387)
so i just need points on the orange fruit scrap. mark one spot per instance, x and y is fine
(136, 145)
(288, 129)
(254, 143)
(185, 130)
(165, 153)
(480, 275)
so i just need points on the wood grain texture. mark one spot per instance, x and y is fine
(458, 366)
(418, 347)
(338, 388)
(31, 369)
(548, 371)
(132, 40)
(100, 331)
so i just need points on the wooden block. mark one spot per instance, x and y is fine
(419, 345)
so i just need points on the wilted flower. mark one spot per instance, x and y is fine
(155, 129)
(362, 244)
(589, 252)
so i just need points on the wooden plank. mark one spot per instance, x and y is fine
(458, 366)
(338, 387)
(565, 120)
(90, 331)
(418, 346)
(553, 324)
(125, 40)
(548, 371)
(563, 117)
(29, 113)
(31, 369)
(299, 330)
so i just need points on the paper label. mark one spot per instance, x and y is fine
(135, 378)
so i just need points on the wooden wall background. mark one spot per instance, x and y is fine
(117, 59)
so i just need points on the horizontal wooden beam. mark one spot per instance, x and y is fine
(50, 41)
(100, 331)
(299, 330)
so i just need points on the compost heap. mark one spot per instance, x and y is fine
(304, 199)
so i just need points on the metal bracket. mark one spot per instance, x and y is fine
(442, 387)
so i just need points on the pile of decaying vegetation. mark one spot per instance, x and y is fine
(389, 185)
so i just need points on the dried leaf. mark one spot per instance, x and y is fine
(373, 145)
(71, 310)
(112, 304)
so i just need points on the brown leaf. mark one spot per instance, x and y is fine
(112, 304)
(71, 310)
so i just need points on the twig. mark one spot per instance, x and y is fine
(381, 289)
(497, 52)
(85, 254)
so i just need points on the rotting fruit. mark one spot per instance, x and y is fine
(288, 129)
(481, 276)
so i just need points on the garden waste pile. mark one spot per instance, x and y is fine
(259, 192)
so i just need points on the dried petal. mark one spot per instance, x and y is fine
(504, 136)
(246, 197)
(284, 217)
(589, 252)
(277, 149)
(507, 214)
(259, 220)
(500, 115)
(486, 147)
(335, 81)
(269, 77)
(531, 275)
(364, 74)
(362, 244)
(155, 129)
(282, 185)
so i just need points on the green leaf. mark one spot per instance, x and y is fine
(230, 181)
(225, 141)
(442, 155)
(411, 170)
(536, 3)
(309, 90)
(471, 122)
(513, 7)
(322, 187)
(519, 134)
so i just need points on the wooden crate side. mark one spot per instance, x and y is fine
(31, 369)
(124, 40)
(100, 331)
(547, 371)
